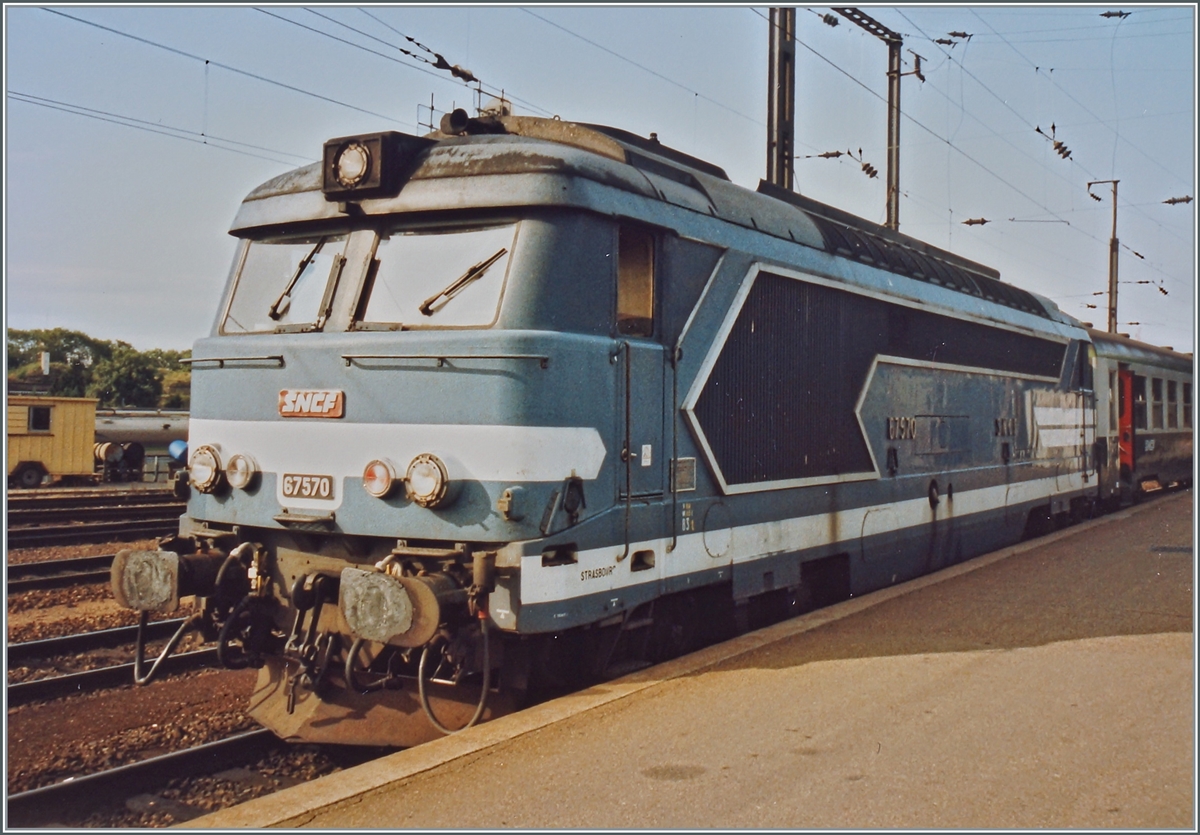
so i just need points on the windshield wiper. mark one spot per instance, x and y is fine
(455, 287)
(281, 304)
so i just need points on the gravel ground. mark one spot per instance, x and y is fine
(62, 552)
(183, 799)
(51, 741)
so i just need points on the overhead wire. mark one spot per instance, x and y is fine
(960, 151)
(1104, 26)
(391, 58)
(229, 68)
(504, 93)
(1096, 120)
(930, 131)
(644, 68)
(1053, 171)
(1084, 107)
(155, 127)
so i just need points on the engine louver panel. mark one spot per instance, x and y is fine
(779, 403)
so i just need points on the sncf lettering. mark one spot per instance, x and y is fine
(319, 403)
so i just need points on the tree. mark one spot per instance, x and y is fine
(168, 360)
(127, 379)
(65, 346)
(177, 389)
(63, 380)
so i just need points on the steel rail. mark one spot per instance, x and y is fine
(90, 513)
(102, 677)
(42, 495)
(79, 796)
(84, 641)
(52, 574)
(90, 532)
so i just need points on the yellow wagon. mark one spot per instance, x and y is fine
(49, 437)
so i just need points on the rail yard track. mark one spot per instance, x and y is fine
(57, 574)
(54, 687)
(76, 797)
(58, 517)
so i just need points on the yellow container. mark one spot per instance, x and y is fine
(49, 436)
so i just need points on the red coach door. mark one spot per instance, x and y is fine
(1125, 421)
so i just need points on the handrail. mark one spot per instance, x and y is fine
(542, 359)
(220, 361)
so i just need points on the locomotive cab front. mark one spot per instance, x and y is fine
(435, 365)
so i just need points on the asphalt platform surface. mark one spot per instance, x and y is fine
(1051, 684)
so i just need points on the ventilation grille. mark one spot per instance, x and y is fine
(887, 255)
(779, 402)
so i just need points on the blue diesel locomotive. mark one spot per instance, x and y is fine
(522, 402)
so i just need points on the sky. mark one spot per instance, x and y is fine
(131, 134)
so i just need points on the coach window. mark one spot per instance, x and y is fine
(1172, 404)
(1156, 403)
(1139, 402)
(39, 418)
(635, 282)
(1187, 405)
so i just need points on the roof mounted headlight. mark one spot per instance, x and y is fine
(205, 469)
(379, 478)
(428, 481)
(241, 471)
(352, 164)
(368, 165)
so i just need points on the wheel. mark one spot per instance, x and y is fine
(28, 476)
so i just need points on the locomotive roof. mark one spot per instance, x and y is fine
(512, 145)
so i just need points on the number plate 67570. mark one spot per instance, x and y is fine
(307, 486)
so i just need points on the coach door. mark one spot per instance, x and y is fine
(1125, 439)
(641, 366)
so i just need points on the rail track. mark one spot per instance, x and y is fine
(59, 517)
(85, 641)
(78, 796)
(57, 574)
(100, 678)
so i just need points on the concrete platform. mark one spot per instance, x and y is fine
(1051, 684)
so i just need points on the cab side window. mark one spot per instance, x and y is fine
(635, 282)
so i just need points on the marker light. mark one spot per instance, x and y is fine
(427, 479)
(379, 477)
(241, 471)
(205, 469)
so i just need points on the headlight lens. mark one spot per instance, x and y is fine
(205, 469)
(241, 471)
(428, 481)
(379, 477)
(353, 163)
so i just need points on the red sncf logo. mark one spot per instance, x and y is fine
(320, 403)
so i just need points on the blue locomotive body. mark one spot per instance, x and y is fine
(540, 395)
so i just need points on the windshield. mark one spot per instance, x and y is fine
(439, 279)
(282, 283)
